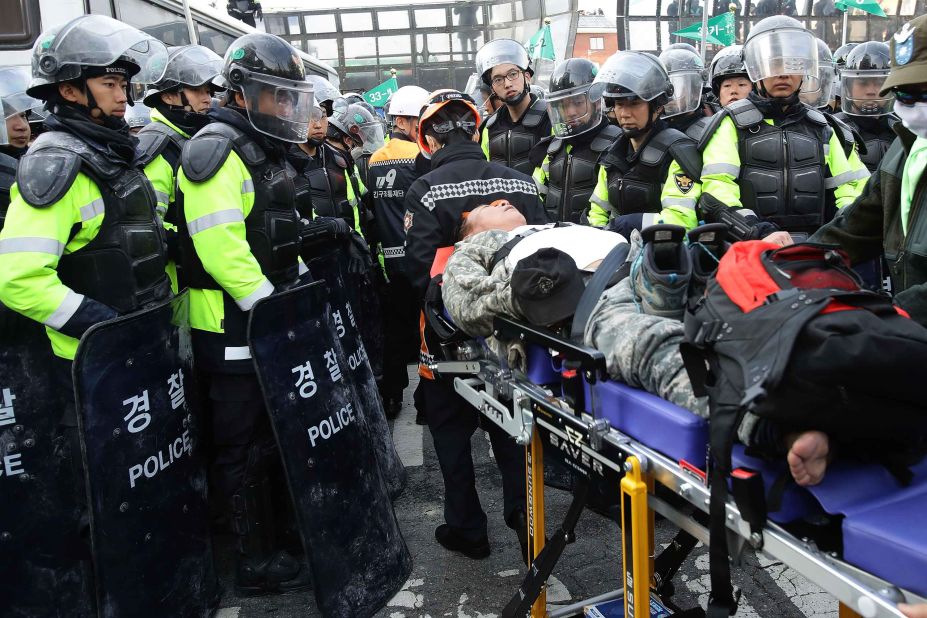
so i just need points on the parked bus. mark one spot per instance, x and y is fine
(21, 22)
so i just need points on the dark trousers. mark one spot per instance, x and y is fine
(400, 337)
(452, 421)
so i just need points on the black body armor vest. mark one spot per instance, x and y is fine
(573, 173)
(512, 146)
(782, 167)
(123, 266)
(875, 136)
(635, 185)
(272, 230)
(328, 184)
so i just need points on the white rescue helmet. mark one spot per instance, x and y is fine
(407, 101)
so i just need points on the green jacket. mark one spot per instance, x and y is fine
(872, 224)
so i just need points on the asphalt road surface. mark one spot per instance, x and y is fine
(448, 584)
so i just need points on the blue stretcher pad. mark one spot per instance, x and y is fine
(883, 527)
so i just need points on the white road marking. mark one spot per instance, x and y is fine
(510, 573)
(228, 612)
(556, 591)
(406, 598)
(463, 614)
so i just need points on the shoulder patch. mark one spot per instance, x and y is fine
(45, 175)
(203, 155)
(683, 182)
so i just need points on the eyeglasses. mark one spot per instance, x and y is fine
(511, 76)
(910, 98)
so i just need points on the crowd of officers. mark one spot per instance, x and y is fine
(208, 191)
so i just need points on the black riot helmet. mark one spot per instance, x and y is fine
(636, 75)
(685, 46)
(861, 80)
(727, 63)
(840, 61)
(573, 104)
(270, 76)
(687, 72)
(187, 66)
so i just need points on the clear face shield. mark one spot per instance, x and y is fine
(781, 52)
(371, 135)
(687, 93)
(860, 93)
(99, 41)
(193, 66)
(576, 110)
(818, 91)
(4, 138)
(278, 107)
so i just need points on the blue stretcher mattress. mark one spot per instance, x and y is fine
(883, 530)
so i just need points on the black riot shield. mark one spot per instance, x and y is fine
(358, 557)
(348, 323)
(44, 562)
(146, 480)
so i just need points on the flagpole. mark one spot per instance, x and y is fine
(704, 31)
(846, 12)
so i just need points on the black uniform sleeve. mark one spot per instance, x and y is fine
(423, 239)
(857, 228)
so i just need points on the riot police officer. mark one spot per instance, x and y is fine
(366, 131)
(323, 92)
(650, 174)
(686, 72)
(510, 133)
(862, 107)
(769, 159)
(81, 244)
(567, 171)
(239, 242)
(818, 91)
(840, 61)
(393, 169)
(15, 134)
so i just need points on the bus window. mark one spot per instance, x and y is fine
(213, 39)
(160, 23)
(19, 23)
(100, 7)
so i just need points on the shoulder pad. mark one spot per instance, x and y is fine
(848, 138)
(491, 119)
(535, 114)
(246, 148)
(153, 139)
(7, 171)
(707, 130)
(658, 147)
(605, 138)
(744, 113)
(686, 153)
(46, 172)
(554, 146)
(539, 151)
(817, 117)
(339, 158)
(203, 155)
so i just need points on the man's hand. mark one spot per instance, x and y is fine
(359, 260)
(913, 611)
(783, 239)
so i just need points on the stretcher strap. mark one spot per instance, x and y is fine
(667, 564)
(544, 564)
(606, 274)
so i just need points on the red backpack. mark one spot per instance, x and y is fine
(790, 335)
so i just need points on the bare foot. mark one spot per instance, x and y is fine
(808, 457)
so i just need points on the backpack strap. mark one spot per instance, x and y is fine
(504, 251)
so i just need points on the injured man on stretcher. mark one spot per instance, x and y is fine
(636, 322)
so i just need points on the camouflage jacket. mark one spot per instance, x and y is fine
(640, 350)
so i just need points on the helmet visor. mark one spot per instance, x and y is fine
(322, 89)
(860, 93)
(13, 84)
(781, 52)
(818, 91)
(278, 107)
(687, 94)
(98, 41)
(371, 135)
(194, 65)
(632, 74)
(4, 138)
(575, 110)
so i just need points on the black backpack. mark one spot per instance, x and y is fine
(789, 335)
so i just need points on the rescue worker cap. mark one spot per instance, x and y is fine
(437, 100)
(909, 55)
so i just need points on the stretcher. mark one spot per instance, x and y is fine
(859, 535)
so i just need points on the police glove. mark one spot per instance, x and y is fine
(625, 224)
(359, 261)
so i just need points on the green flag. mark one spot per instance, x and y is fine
(720, 30)
(867, 6)
(541, 45)
(378, 95)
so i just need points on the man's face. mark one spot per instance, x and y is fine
(318, 125)
(507, 80)
(866, 88)
(782, 86)
(199, 98)
(734, 89)
(497, 216)
(109, 92)
(17, 129)
(574, 109)
(632, 113)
